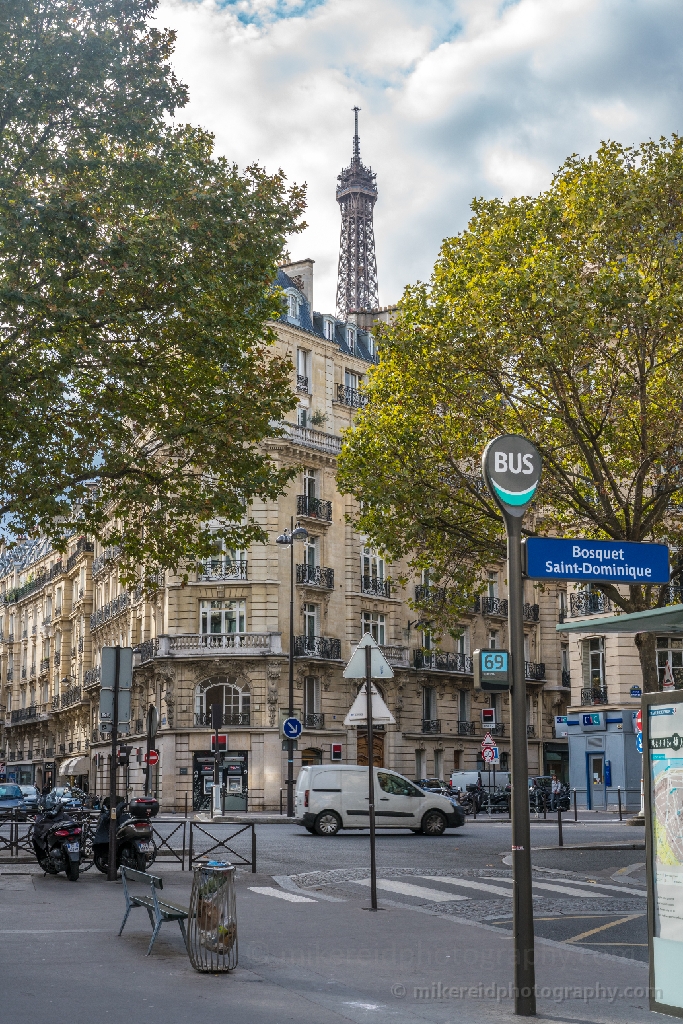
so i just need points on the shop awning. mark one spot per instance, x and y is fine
(75, 766)
(656, 620)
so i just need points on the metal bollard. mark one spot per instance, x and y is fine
(253, 848)
(576, 813)
(186, 805)
(560, 840)
(545, 807)
(619, 801)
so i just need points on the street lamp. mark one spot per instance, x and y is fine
(298, 533)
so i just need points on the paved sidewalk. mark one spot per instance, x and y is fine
(314, 960)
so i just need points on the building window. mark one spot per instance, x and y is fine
(312, 551)
(462, 643)
(372, 565)
(374, 623)
(293, 305)
(438, 763)
(493, 639)
(311, 696)
(427, 640)
(462, 706)
(370, 342)
(302, 416)
(310, 621)
(670, 652)
(311, 483)
(492, 585)
(351, 338)
(329, 330)
(351, 380)
(420, 764)
(223, 616)
(303, 368)
(428, 703)
(233, 700)
(593, 659)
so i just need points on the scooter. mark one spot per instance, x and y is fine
(58, 843)
(135, 847)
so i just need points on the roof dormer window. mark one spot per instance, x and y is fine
(293, 305)
(329, 330)
(351, 338)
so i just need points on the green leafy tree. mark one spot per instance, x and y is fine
(136, 267)
(559, 318)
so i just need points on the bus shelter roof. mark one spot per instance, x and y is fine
(656, 620)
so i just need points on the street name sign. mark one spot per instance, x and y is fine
(604, 561)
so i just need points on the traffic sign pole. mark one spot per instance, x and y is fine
(111, 867)
(371, 780)
(512, 470)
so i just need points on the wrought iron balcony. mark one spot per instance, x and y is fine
(44, 665)
(531, 612)
(531, 730)
(83, 545)
(425, 592)
(57, 658)
(110, 610)
(92, 677)
(315, 576)
(317, 647)
(147, 650)
(70, 697)
(496, 730)
(431, 725)
(587, 603)
(222, 569)
(80, 645)
(496, 607)
(29, 714)
(566, 677)
(314, 508)
(314, 721)
(594, 695)
(534, 670)
(108, 555)
(375, 586)
(467, 728)
(441, 661)
(23, 673)
(301, 384)
(203, 719)
(350, 396)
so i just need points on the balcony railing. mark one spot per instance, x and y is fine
(204, 720)
(110, 610)
(83, 545)
(594, 695)
(375, 586)
(441, 661)
(317, 647)
(147, 650)
(431, 725)
(222, 569)
(108, 555)
(351, 396)
(398, 657)
(425, 592)
(315, 576)
(44, 665)
(70, 696)
(80, 645)
(92, 676)
(467, 728)
(308, 438)
(314, 721)
(495, 606)
(29, 714)
(314, 508)
(534, 670)
(531, 730)
(566, 677)
(531, 612)
(301, 384)
(496, 730)
(194, 645)
(586, 603)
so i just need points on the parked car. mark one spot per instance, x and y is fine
(69, 796)
(11, 798)
(32, 797)
(330, 797)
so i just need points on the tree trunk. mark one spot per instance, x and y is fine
(647, 652)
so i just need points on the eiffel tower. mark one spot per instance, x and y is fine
(357, 274)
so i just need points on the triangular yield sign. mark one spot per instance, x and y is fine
(488, 740)
(358, 714)
(379, 666)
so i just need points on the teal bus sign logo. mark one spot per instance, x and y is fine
(512, 470)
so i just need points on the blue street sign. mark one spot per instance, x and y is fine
(597, 561)
(635, 691)
(292, 727)
(639, 742)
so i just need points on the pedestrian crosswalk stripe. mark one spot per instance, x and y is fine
(467, 884)
(568, 888)
(567, 891)
(614, 888)
(431, 895)
(291, 897)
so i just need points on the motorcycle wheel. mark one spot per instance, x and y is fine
(101, 863)
(72, 870)
(129, 858)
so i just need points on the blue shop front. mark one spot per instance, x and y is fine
(604, 757)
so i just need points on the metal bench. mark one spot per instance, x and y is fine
(159, 910)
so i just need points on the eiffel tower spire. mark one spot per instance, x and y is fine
(357, 274)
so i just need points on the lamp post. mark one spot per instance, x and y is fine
(298, 533)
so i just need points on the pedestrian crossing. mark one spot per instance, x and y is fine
(270, 890)
(407, 889)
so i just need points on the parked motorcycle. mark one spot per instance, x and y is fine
(135, 847)
(58, 842)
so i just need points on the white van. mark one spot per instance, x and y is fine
(461, 781)
(333, 796)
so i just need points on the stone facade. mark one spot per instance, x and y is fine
(224, 634)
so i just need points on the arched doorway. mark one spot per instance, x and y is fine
(311, 755)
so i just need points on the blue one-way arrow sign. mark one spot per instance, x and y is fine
(292, 728)
(596, 561)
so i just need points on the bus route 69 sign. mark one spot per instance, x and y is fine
(491, 670)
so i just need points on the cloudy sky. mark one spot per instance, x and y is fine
(459, 98)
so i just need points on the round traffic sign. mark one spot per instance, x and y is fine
(488, 754)
(153, 758)
(639, 722)
(292, 728)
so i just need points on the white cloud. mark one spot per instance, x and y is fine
(459, 98)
